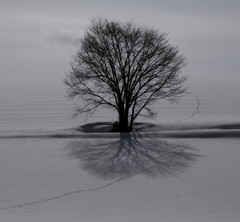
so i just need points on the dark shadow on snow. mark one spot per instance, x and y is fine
(131, 153)
(96, 127)
(100, 127)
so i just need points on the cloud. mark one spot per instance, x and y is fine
(65, 36)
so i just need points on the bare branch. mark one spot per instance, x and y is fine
(126, 67)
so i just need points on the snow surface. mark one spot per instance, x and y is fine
(182, 167)
(139, 176)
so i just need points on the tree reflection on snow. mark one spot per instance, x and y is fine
(130, 153)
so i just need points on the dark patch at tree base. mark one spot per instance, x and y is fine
(116, 127)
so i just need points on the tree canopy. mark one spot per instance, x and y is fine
(126, 67)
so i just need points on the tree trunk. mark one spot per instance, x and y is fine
(123, 120)
(123, 123)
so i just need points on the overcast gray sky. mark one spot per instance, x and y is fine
(38, 38)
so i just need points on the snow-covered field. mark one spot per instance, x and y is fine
(182, 167)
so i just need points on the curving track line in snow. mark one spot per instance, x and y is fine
(196, 110)
(72, 192)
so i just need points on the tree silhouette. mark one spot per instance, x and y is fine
(125, 67)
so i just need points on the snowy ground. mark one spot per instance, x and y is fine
(182, 167)
(86, 174)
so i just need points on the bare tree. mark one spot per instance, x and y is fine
(125, 67)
